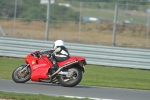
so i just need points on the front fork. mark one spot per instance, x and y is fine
(24, 68)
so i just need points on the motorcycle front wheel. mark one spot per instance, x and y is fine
(21, 76)
(75, 76)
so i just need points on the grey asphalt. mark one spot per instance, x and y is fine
(102, 93)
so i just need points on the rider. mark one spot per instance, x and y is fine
(60, 53)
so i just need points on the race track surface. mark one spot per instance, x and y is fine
(95, 93)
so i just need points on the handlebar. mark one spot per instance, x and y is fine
(38, 54)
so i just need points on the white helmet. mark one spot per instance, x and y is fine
(58, 43)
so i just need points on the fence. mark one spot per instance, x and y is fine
(96, 55)
(26, 19)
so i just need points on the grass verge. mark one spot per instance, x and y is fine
(20, 96)
(94, 75)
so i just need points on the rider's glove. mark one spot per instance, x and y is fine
(38, 54)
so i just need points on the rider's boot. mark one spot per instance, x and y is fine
(55, 66)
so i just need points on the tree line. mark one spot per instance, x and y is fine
(32, 9)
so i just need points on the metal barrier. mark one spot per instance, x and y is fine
(94, 54)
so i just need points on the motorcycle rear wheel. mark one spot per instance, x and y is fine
(72, 81)
(21, 77)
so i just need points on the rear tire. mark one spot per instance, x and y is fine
(21, 77)
(72, 81)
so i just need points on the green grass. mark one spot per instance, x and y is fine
(94, 75)
(20, 96)
(7, 65)
(116, 77)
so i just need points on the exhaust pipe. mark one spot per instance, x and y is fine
(61, 67)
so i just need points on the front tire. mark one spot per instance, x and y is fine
(73, 80)
(21, 77)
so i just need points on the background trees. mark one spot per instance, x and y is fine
(32, 9)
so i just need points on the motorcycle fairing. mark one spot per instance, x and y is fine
(40, 66)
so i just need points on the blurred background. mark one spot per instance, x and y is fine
(125, 23)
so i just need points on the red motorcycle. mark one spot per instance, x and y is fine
(38, 69)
